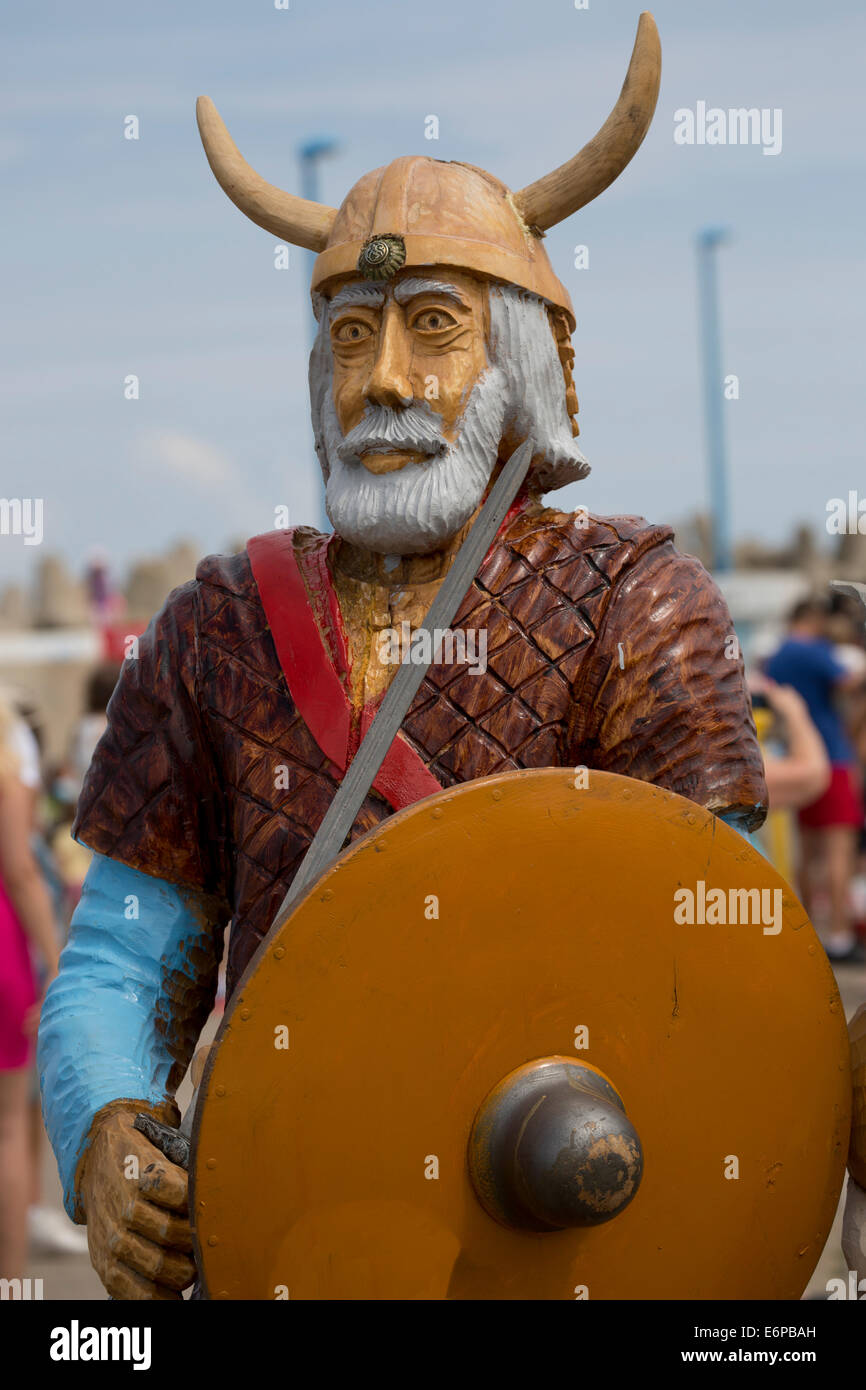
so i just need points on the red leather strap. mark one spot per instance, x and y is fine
(315, 686)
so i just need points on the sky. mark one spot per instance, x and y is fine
(125, 257)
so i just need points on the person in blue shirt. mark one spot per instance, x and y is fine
(829, 826)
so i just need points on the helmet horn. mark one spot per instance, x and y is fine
(296, 220)
(557, 195)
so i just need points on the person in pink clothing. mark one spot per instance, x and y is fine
(26, 922)
(18, 990)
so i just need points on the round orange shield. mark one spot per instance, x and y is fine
(597, 926)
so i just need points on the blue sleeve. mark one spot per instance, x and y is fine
(750, 836)
(136, 982)
(739, 821)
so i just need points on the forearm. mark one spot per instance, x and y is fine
(794, 782)
(32, 903)
(120, 1022)
(805, 744)
(802, 773)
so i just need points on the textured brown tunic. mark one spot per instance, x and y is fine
(607, 648)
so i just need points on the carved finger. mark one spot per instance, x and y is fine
(160, 1226)
(167, 1267)
(124, 1283)
(164, 1184)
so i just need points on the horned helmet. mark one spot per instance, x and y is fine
(422, 212)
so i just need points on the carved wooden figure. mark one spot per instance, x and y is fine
(581, 642)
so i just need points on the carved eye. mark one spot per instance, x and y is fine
(433, 321)
(352, 331)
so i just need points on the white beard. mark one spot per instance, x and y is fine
(422, 506)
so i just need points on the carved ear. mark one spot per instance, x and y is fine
(296, 220)
(557, 195)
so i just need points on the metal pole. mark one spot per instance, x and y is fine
(709, 239)
(309, 155)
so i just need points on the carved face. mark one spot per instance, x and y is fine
(417, 389)
(418, 339)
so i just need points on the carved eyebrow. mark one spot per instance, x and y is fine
(356, 294)
(408, 289)
(374, 297)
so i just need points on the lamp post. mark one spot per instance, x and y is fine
(309, 155)
(708, 241)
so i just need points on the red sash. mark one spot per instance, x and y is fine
(296, 590)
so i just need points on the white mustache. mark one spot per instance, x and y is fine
(417, 508)
(390, 431)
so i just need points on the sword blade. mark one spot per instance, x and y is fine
(352, 793)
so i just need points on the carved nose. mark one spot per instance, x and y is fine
(388, 383)
(552, 1147)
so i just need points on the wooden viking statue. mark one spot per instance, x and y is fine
(584, 643)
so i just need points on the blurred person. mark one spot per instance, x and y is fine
(831, 824)
(23, 736)
(26, 919)
(50, 1230)
(71, 858)
(845, 629)
(94, 721)
(857, 724)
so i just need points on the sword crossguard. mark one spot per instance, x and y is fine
(170, 1142)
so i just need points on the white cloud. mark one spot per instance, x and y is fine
(185, 456)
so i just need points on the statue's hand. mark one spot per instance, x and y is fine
(854, 1229)
(135, 1203)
